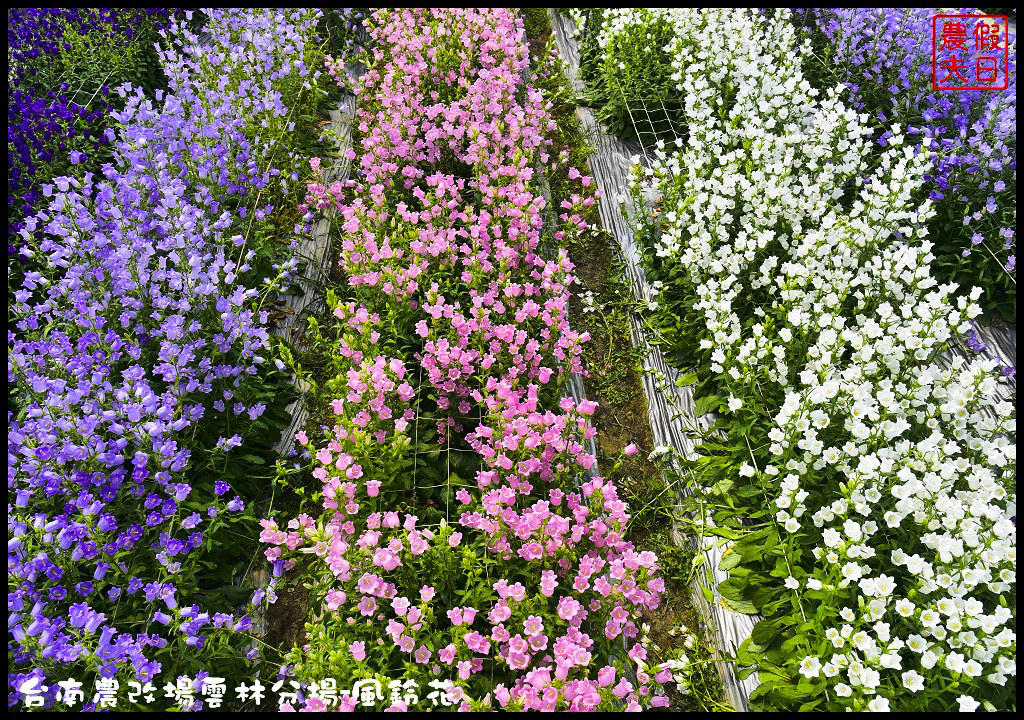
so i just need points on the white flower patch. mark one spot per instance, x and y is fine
(895, 465)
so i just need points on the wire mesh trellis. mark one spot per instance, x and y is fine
(650, 117)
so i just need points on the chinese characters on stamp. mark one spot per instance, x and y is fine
(970, 52)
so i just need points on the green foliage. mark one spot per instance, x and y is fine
(536, 22)
(99, 57)
(343, 31)
(630, 80)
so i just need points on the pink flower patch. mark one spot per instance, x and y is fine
(489, 356)
(547, 583)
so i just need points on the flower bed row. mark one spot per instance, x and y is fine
(867, 486)
(140, 330)
(509, 577)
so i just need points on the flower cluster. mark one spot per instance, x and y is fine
(57, 111)
(143, 309)
(797, 276)
(884, 57)
(525, 590)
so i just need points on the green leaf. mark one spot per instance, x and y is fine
(706, 404)
(733, 592)
(791, 643)
(727, 533)
(789, 693)
(749, 653)
(811, 704)
(741, 606)
(755, 537)
(748, 491)
(763, 689)
(729, 561)
(254, 459)
(686, 380)
(765, 631)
